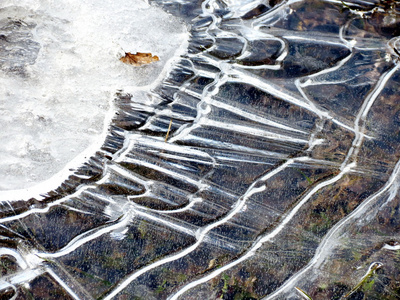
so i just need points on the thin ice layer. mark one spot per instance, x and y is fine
(266, 160)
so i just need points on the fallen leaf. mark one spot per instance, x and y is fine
(138, 59)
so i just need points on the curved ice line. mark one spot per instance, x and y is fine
(324, 243)
(181, 88)
(363, 112)
(261, 67)
(276, 10)
(248, 78)
(160, 144)
(253, 131)
(4, 285)
(213, 24)
(239, 148)
(349, 44)
(306, 81)
(206, 99)
(241, 38)
(300, 84)
(177, 175)
(313, 39)
(123, 172)
(62, 283)
(202, 73)
(243, 9)
(15, 254)
(192, 198)
(76, 209)
(261, 240)
(192, 201)
(86, 237)
(254, 117)
(249, 34)
(125, 148)
(391, 45)
(199, 182)
(21, 278)
(273, 38)
(183, 209)
(202, 232)
(208, 12)
(145, 214)
(49, 205)
(392, 248)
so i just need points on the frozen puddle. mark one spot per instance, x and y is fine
(59, 72)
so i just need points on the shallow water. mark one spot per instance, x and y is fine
(267, 159)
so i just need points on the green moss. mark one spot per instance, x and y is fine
(305, 176)
(143, 228)
(356, 255)
(161, 287)
(323, 287)
(226, 279)
(368, 285)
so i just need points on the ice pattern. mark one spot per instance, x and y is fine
(265, 165)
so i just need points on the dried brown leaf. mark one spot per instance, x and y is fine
(138, 59)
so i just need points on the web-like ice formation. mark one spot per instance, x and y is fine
(265, 164)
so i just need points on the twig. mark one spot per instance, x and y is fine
(169, 129)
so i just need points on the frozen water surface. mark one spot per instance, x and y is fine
(262, 163)
(59, 72)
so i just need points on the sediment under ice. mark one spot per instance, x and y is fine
(280, 170)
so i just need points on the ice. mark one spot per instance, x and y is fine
(262, 163)
(60, 71)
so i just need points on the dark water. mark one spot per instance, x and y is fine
(281, 169)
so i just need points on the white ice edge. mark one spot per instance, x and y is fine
(323, 248)
(268, 237)
(38, 190)
(55, 181)
(201, 233)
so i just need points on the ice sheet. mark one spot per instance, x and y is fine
(264, 165)
(60, 71)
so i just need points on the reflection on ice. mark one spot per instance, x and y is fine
(264, 163)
